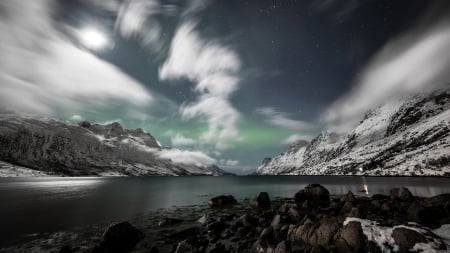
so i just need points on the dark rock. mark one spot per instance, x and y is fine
(222, 201)
(121, 237)
(66, 249)
(217, 248)
(348, 197)
(347, 207)
(217, 226)
(266, 236)
(407, 238)
(99, 249)
(379, 197)
(294, 215)
(401, 194)
(261, 200)
(315, 233)
(441, 200)
(427, 216)
(153, 250)
(276, 220)
(284, 208)
(351, 238)
(85, 124)
(185, 232)
(185, 247)
(282, 247)
(315, 194)
(168, 221)
(247, 221)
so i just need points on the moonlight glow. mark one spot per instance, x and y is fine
(93, 38)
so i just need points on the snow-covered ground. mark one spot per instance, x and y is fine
(10, 170)
(382, 236)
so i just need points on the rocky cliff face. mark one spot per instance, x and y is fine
(59, 147)
(406, 137)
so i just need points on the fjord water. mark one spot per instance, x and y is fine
(36, 205)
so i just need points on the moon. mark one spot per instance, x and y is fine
(93, 38)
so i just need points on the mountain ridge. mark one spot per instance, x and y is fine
(406, 137)
(62, 148)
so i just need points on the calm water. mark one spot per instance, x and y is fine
(34, 205)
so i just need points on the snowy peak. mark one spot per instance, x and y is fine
(115, 134)
(419, 109)
(410, 136)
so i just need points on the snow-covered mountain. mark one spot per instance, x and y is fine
(410, 136)
(62, 148)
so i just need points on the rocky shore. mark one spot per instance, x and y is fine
(311, 221)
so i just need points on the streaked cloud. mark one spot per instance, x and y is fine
(214, 68)
(296, 137)
(197, 158)
(414, 61)
(180, 140)
(41, 70)
(282, 119)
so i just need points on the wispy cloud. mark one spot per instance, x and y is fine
(197, 158)
(296, 137)
(214, 68)
(41, 70)
(180, 140)
(282, 119)
(228, 163)
(136, 18)
(414, 61)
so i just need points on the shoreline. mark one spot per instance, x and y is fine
(263, 225)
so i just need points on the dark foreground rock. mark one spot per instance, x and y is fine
(222, 201)
(348, 223)
(261, 200)
(119, 238)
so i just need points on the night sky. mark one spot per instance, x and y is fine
(236, 80)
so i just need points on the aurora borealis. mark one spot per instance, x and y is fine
(236, 80)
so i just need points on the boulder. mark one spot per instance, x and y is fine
(315, 233)
(185, 247)
(261, 200)
(441, 200)
(407, 238)
(427, 216)
(121, 237)
(351, 238)
(247, 221)
(284, 208)
(315, 194)
(401, 194)
(85, 124)
(348, 197)
(222, 201)
(282, 247)
(276, 220)
(294, 215)
(168, 221)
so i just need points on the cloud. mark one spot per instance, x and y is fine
(294, 138)
(76, 117)
(181, 140)
(280, 119)
(135, 19)
(214, 68)
(410, 63)
(41, 70)
(228, 163)
(197, 158)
